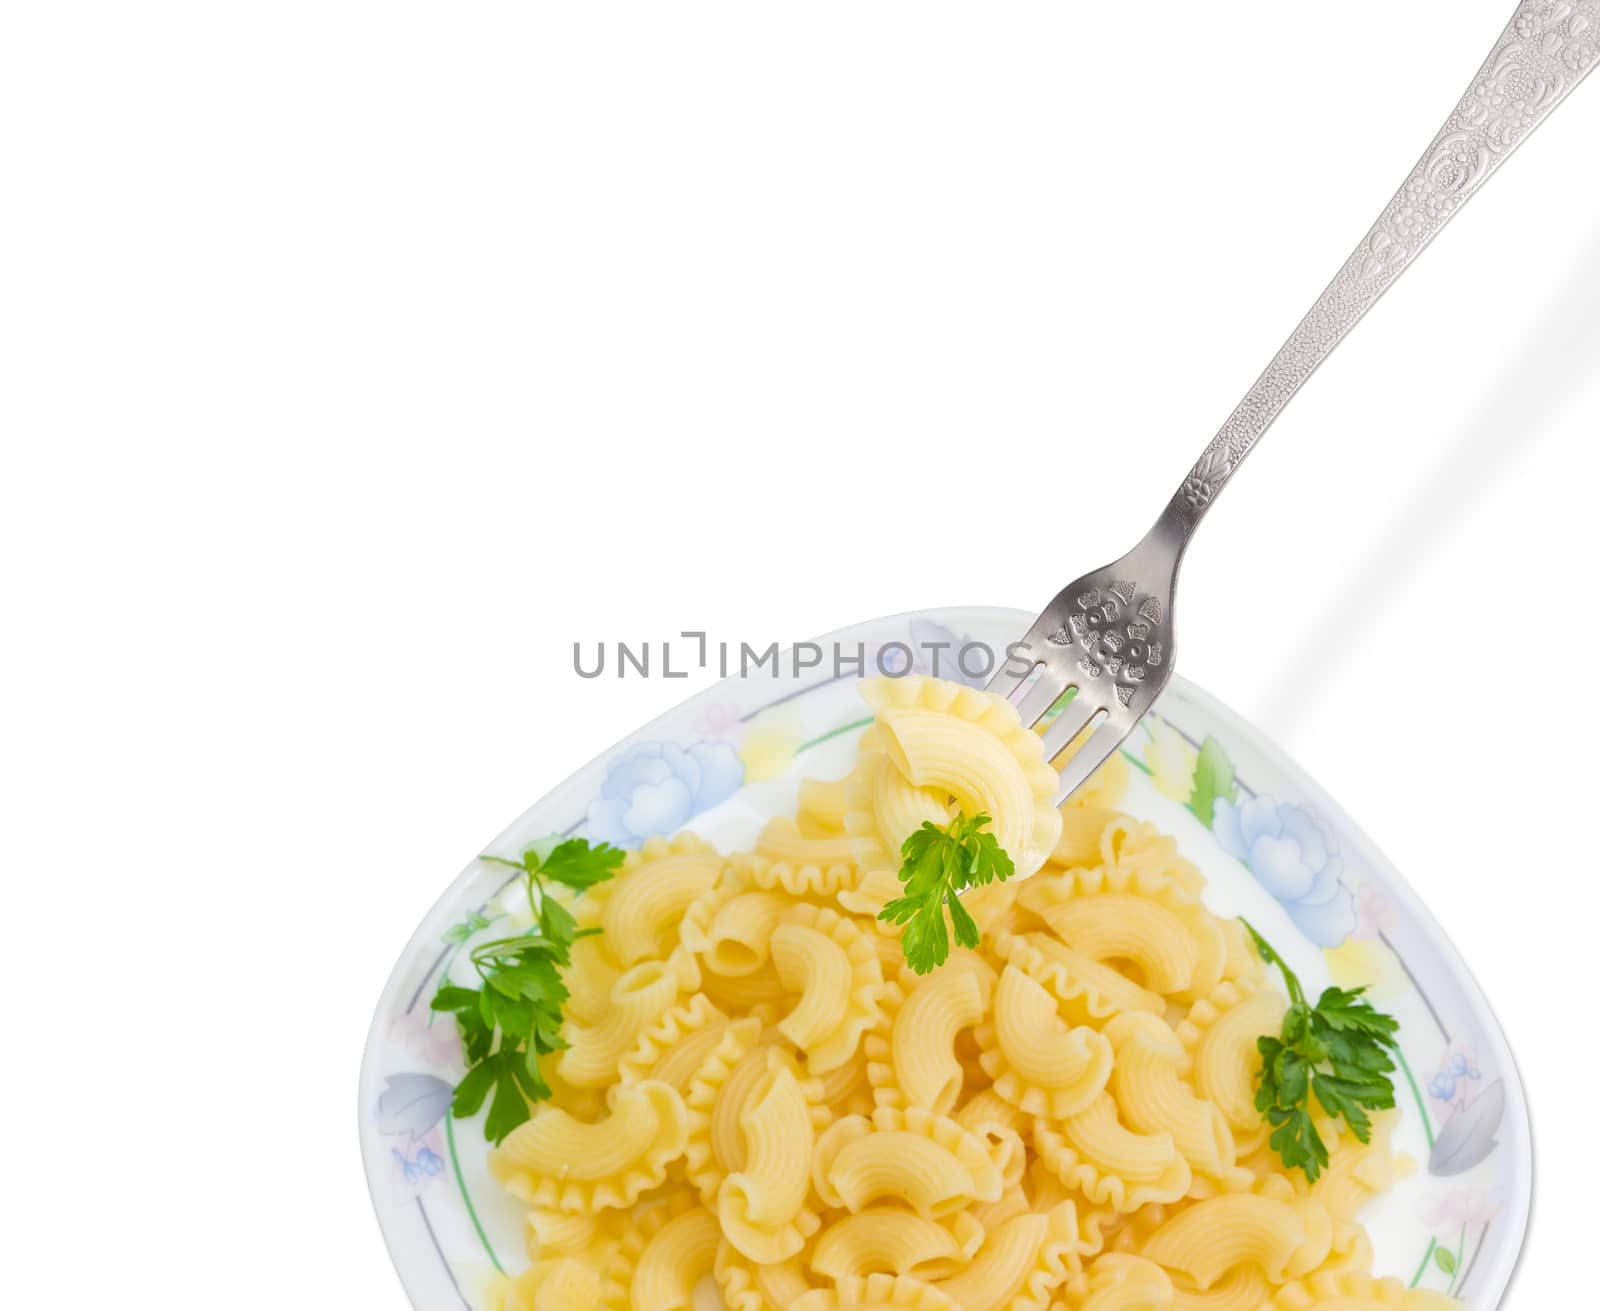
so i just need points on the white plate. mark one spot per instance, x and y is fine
(726, 760)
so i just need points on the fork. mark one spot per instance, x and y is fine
(1107, 637)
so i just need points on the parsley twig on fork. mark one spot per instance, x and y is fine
(1338, 1051)
(937, 864)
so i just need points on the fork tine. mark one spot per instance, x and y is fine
(1006, 680)
(1074, 716)
(1042, 695)
(1090, 756)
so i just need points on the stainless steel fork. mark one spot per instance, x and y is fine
(1109, 634)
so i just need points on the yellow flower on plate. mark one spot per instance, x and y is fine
(1360, 963)
(769, 744)
(1171, 760)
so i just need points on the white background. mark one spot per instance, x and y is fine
(356, 360)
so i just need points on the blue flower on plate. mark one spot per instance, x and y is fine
(1292, 857)
(655, 788)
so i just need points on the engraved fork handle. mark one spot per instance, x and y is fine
(1548, 47)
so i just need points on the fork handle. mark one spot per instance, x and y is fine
(1548, 47)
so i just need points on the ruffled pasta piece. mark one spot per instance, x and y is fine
(557, 1162)
(1120, 1282)
(1219, 1034)
(815, 882)
(890, 1240)
(834, 967)
(751, 1286)
(731, 929)
(1126, 914)
(639, 998)
(589, 980)
(561, 1233)
(558, 1284)
(1021, 1264)
(642, 906)
(1037, 1061)
(877, 1293)
(713, 1145)
(927, 1161)
(822, 804)
(673, 1261)
(1090, 836)
(911, 1058)
(1152, 1097)
(674, 1047)
(1109, 1163)
(761, 1206)
(934, 743)
(1352, 1291)
(1000, 1125)
(1357, 1171)
(1244, 1288)
(1242, 963)
(1209, 1238)
(1103, 789)
(737, 993)
(1086, 992)
(781, 840)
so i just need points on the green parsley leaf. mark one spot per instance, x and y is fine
(1337, 1052)
(513, 1016)
(936, 866)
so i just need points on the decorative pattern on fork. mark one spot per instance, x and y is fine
(1108, 635)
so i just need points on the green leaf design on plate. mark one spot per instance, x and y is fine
(1445, 1259)
(1213, 778)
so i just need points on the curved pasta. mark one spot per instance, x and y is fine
(999, 1125)
(589, 981)
(1209, 1238)
(731, 929)
(758, 1286)
(1352, 1291)
(559, 1284)
(835, 968)
(1219, 1034)
(1357, 1171)
(642, 906)
(1153, 1099)
(716, 1094)
(927, 1161)
(911, 1052)
(933, 743)
(673, 1048)
(1104, 788)
(673, 1261)
(1110, 1164)
(1037, 1061)
(639, 998)
(1126, 914)
(1118, 1281)
(890, 1240)
(558, 1162)
(781, 840)
(1244, 1288)
(876, 1293)
(1021, 1264)
(821, 882)
(1086, 992)
(822, 803)
(761, 1206)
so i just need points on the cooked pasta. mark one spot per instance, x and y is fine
(759, 1103)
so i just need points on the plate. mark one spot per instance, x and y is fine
(728, 759)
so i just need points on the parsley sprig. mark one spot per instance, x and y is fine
(1338, 1051)
(937, 864)
(513, 1016)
